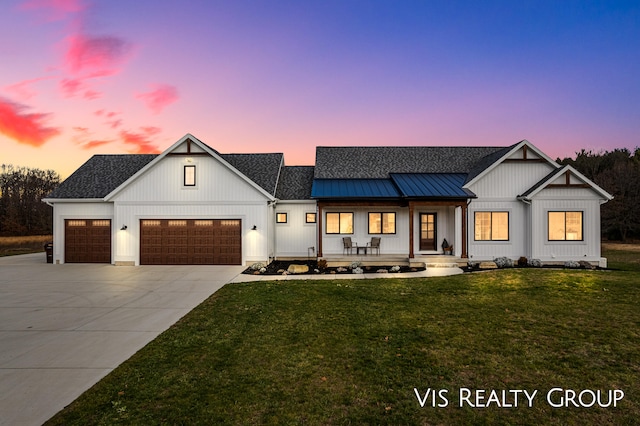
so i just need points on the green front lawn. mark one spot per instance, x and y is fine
(352, 352)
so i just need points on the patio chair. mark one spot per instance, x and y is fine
(374, 244)
(347, 245)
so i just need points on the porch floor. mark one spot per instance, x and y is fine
(429, 261)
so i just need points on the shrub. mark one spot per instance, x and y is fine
(322, 264)
(357, 270)
(354, 265)
(523, 261)
(503, 262)
(536, 263)
(395, 268)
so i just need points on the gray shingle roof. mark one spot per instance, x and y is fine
(295, 183)
(263, 169)
(544, 180)
(486, 161)
(100, 175)
(377, 162)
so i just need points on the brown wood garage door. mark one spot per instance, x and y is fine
(190, 242)
(87, 241)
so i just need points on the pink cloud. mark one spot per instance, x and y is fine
(54, 10)
(71, 86)
(161, 96)
(96, 143)
(96, 55)
(23, 89)
(140, 142)
(114, 124)
(91, 95)
(28, 129)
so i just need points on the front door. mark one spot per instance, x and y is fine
(428, 231)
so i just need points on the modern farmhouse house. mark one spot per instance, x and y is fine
(194, 205)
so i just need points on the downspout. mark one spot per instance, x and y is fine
(270, 227)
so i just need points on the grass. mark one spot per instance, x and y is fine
(621, 256)
(352, 352)
(22, 245)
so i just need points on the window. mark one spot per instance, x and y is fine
(339, 223)
(310, 218)
(491, 226)
(281, 218)
(565, 226)
(189, 175)
(382, 223)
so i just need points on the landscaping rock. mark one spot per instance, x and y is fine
(586, 265)
(536, 263)
(382, 271)
(571, 264)
(298, 269)
(488, 265)
(503, 262)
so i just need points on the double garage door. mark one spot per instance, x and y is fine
(190, 242)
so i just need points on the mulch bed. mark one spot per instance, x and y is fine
(277, 267)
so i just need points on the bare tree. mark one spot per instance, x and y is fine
(21, 210)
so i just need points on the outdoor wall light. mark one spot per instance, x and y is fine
(124, 228)
(255, 228)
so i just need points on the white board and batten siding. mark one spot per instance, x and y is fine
(498, 191)
(296, 237)
(87, 210)
(390, 244)
(508, 180)
(219, 193)
(566, 199)
(518, 243)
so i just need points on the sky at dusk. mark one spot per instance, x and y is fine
(85, 77)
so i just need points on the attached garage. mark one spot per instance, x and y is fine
(190, 242)
(87, 241)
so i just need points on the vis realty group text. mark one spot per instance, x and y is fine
(512, 398)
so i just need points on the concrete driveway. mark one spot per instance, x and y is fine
(64, 327)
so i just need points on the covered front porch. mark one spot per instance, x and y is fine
(410, 231)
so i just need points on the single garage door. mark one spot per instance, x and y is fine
(190, 242)
(87, 241)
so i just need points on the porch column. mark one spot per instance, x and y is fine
(457, 245)
(411, 256)
(319, 230)
(464, 231)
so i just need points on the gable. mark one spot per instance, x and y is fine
(189, 148)
(215, 182)
(565, 182)
(522, 153)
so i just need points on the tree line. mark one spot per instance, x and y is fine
(21, 210)
(618, 173)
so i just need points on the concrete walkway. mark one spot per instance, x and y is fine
(65, 327)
